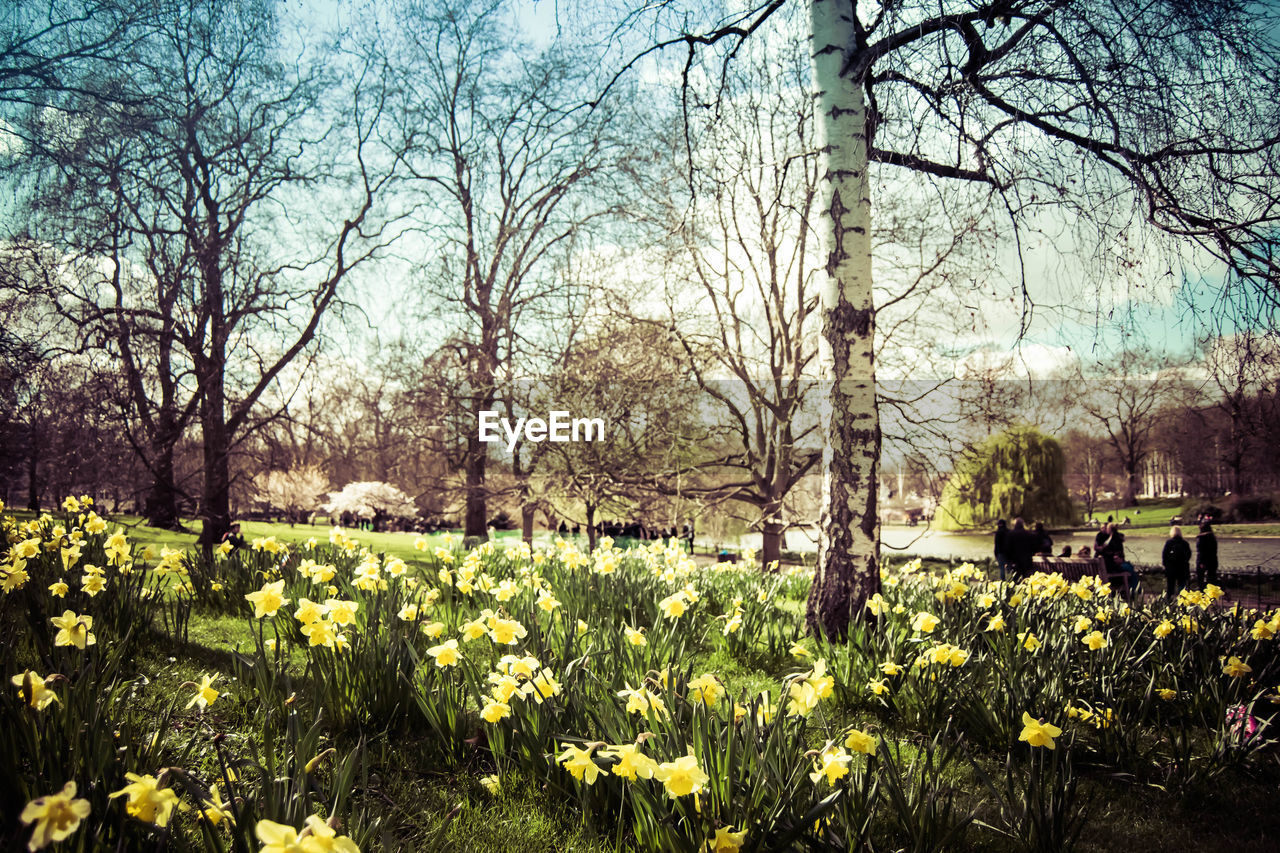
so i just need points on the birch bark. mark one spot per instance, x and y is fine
(848, 569)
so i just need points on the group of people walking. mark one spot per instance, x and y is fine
(1016, 546)
(1176, 558)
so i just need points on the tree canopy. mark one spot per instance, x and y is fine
(1014, 473)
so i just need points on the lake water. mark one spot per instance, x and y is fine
(1141, 546)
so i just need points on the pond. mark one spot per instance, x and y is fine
(1142, 546)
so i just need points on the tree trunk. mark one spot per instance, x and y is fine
(216, 509)
(475, 520)
(162, 500)
(773, 531)
(848, 569)
(527, 509)
(33, 467)
(1131, 487)
(591, 527)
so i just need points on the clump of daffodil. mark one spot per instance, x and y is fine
(806, 690)
(315, 837)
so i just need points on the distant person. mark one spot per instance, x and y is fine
(1084, 553)
(1044, 542)
(1100, 538)
(1176, 558)
(1066, 551)
(1022, 547)
(1109, 545)
(1206, 556)
(233, 538)
(1001, 542)
(1112, 551)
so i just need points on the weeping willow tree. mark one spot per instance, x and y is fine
(1014, 473)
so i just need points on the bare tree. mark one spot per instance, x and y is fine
(1125, 398)
(1086, 458)
(496, 137)
(207, 286)
(1239, 367)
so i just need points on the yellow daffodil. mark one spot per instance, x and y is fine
(308, 611)
(832, 763)
(475, 629)
(579, 763)
(446, 654)
(148, 802)
(924, 622)
(34, 690)
(56, 816)
(341, 612)
(506, 632)
(673, 606)
(1094, 640)
(706, 688)
(267, 600)
(1038, 733)
(215, 810)
(205, 692)
(682, 776)
(878, 686)
(725, 841)
(860, 741)
(1236, 668)
(630, 762)
(494, 711)
(73, 630)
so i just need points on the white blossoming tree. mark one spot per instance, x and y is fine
(371, 500)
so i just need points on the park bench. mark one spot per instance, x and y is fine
(1075, 568)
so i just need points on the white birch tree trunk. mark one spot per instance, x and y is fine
(848, 552)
